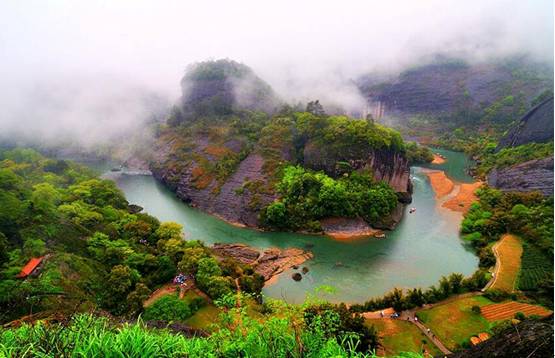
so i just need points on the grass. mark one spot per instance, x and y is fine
(509, 251)
(204, 318)
(89, 336)
(400, 336)
(454, 322)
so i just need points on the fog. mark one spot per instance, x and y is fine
(93, 70)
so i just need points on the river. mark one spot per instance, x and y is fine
(423, 247)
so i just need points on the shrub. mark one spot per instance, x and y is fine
(170, 308)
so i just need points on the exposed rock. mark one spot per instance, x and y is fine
(297, 276)
(536, 126)
(533, 175)
(269, 263)
(305, 270)
(345, 228)
(387, 166)
(531, 339)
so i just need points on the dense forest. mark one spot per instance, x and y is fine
(99, 252)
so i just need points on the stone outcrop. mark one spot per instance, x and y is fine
(531, 339)
(268, 263)
(533, 175)
(535, 127)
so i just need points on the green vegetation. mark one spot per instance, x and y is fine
(529, 215)
(307, 196)
(279, 330)
(418, 154)
(101, 253)
(401, 300)
(87, 336)
(171, 308)
(536, 271)
(456, 321)
(514, 155)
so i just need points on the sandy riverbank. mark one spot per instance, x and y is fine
(438, 159)
(462, 194)
(441, 184)
(464, 198)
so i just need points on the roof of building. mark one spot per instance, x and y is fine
(30, 266)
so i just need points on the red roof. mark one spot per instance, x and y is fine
(30, 266)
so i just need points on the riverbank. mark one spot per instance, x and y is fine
(457, 196)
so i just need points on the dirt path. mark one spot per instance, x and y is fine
(162, 291)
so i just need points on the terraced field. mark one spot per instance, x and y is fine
(507, 310)
(535, 268)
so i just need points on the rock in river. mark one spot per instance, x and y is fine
(268, 263)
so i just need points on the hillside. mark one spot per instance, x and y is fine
(430, 100)
(234, 164)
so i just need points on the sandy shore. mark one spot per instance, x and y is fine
(441, 184)
(462, 194)
(438, 159)
(465, 197)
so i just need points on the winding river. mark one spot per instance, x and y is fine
(423, 247)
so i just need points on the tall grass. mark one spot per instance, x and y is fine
(89, 336)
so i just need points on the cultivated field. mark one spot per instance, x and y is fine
(401, 336)
(508, 251)
(455, 322)
(507, 310)
(536, 266)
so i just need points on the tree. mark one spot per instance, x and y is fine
(136, 298)
(315, 108)
(190, 260)
(45, 198)
(169, 230)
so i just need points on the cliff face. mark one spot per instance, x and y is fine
(388, 166)
(533, 175)
(536, 126)
(248, 189)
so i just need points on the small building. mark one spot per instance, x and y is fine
(31, 268)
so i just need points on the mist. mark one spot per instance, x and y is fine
(94, 71)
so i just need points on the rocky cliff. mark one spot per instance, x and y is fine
(533, 175)
(535, 127)
(531, 339)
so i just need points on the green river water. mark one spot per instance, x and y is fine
(423, 247)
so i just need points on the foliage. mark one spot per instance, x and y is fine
(402, 300)
(418, 154)
(88, 336)
(102, 253)
(514, 155)
(307, 196)
(170, 308)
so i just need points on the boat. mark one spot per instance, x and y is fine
(380, 236)
(412, 210)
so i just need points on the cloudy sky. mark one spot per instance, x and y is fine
(90, 52)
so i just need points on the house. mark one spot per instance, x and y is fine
(31, 268)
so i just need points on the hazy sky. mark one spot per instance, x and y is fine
(97, 50)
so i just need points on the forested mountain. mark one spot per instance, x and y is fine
(288, 170)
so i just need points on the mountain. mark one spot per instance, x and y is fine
(532, 168)
(222, 87)
(229, 159)
(448, 92)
